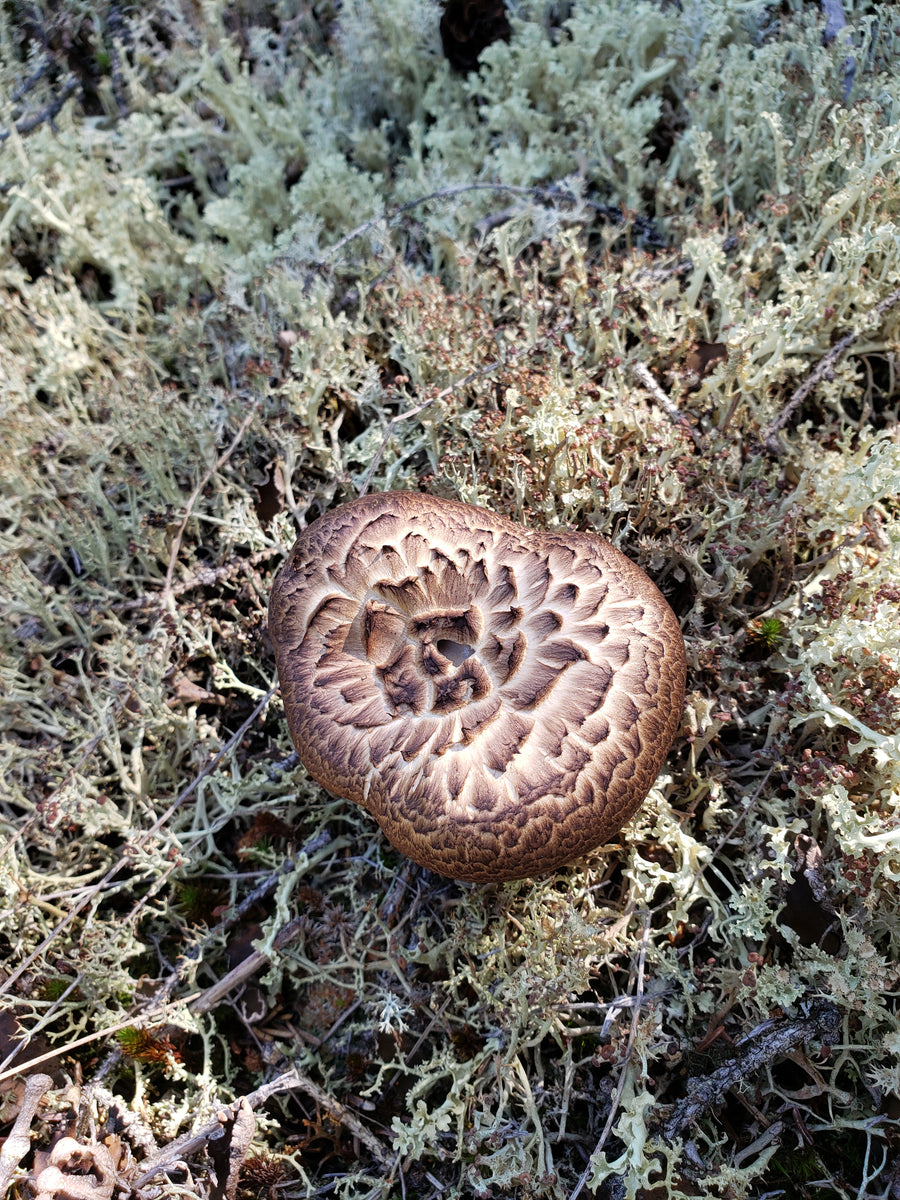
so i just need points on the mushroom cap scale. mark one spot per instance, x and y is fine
(500, 699)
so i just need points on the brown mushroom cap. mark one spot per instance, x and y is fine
(500, 699)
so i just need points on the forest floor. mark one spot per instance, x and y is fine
(636, 270)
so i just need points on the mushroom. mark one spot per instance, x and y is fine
(499, 698)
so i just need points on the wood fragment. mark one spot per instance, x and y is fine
(229, 1150)
(773, 1039)
(248, 967)
(27, 124)
(18, 1141)
(77, 1171)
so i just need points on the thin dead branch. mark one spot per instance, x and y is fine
(774, 1039)
(139, 841)
(168, 591)
(626, 1060)
(642, 375)
(822, 370)
(288, 1081)
(158, 1016)
(248, 967)
(27, 124)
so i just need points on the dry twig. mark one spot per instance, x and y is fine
(98, 1035)
(822, 370)
(626, 1060)
(288, 1081)
(167, 592)
(248, 967)
(771, 1040)
(642, 374)
(126, 860)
